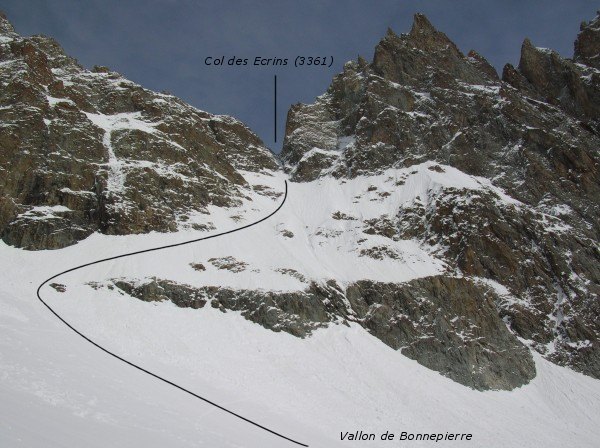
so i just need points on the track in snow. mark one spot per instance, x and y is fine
(141, 368)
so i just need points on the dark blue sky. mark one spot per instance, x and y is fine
(162, 44)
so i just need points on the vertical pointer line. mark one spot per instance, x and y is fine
(275, 108)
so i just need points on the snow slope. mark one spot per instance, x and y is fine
(58, 390)
(304, 235)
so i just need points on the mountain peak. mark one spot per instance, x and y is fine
(532, 56)
(527, 43)
(587, 45)
(422, 25)
(424, 36)
(5, 26)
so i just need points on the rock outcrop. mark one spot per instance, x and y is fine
(587, 45)
(89, 151)
(448, 324)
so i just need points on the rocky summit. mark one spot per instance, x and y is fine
(457, 218)
(89, 151)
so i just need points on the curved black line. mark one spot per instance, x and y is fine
(141, 368)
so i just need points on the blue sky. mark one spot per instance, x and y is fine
(162, 44)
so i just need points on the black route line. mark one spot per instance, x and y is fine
(141, 368)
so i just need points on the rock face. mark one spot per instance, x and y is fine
(587, 45)
(84, 151)
(447, 324)
(535, 134)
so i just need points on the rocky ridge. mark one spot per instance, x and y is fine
(534, 133)
(90, 151)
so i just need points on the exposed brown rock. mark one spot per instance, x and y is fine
(55, 160)
(587, 45)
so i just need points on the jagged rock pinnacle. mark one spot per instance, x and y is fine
(587, 45)
(421, 25)
(5, 25)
